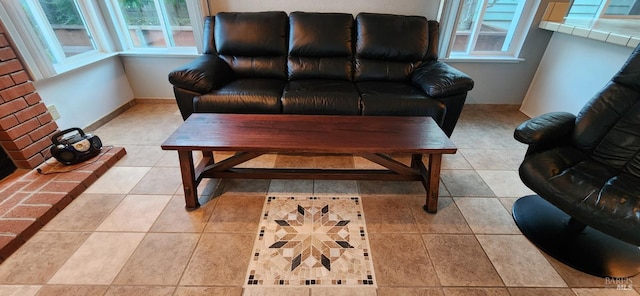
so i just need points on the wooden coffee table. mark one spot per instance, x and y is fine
(251, 135)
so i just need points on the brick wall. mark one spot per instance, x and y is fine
(25, 124)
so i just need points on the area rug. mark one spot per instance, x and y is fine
(304, 241)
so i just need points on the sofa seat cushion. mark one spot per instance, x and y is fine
(243, 96)
(385, 98)
(583, 187)
(329, 97)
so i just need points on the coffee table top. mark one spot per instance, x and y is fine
(310, 133)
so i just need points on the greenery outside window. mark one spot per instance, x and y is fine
(486, 29)
(55, 35)
(155, 24)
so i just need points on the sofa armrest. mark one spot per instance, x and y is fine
(202, 74)
(438, 79)
(546, 129)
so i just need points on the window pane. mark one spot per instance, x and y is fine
(64, 31)
(151, 22)
(486, 25)
(180, 23)
(623, 7)
(466, 25)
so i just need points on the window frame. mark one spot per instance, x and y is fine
(195, 8)
(451, 13)
(100, 21)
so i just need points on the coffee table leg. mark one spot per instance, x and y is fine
(188, 180)
(435, 161)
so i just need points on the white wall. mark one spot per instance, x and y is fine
(495, 82)
(571, 72)
(148, 76)
(428, 8)
(86, 95)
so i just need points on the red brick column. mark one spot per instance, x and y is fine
(25, 123)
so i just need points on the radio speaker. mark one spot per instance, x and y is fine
(73, 146)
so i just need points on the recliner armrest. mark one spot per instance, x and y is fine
(438, 79)
(202, 74)
(546, 128)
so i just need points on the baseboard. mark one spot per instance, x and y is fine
(155, 101)
(100, 122)
(505, 107)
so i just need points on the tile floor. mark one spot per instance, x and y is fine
(128, 233)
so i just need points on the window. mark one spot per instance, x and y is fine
(55, 36)
(156, 24)
(492, 29)
(604, 9)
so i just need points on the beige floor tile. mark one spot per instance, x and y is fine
(518, 262)
(343, 291)
(541, 292)
(268, 291)
(290, 188)
(142, 156)
(208, 291)
(365, 164)
(578, 279)
(505, 183)
(448, 219)
(455, 162)
(389, 188)
(459, 260)
(71, 290)
(465, 183)
(388, 291)
(85, 213)
(486, 215)
(491, 159)
(389, 214)
(169, 159)
(476, 292)
(401, 260)
(98, 260)
(159, 180)
(18, 290)
(140, 291)
(135, 213)
(508, 202)
(160, 259)
(176, 218)
(219, 259)
(118, 180)
(239, 214)
(40, 257)
(333, 162)
(294, 161)
(262, 161)
(603, 292)
(244, 186)
(335, 188)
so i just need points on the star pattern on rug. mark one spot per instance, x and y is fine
(313, 236)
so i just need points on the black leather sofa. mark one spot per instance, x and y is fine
(321, 63)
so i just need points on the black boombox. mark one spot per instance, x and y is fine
(72, 146)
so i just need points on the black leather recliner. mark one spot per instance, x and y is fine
(586, 169)
(321, 63)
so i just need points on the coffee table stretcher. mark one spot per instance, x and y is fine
(192, 174)
(371, 138)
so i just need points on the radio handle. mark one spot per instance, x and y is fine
(56, 137)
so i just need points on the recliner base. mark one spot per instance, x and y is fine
(589, 251)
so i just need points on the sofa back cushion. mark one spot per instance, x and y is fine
(254, 44)
(320, 46)
(389, 47)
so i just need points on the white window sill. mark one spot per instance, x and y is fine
(481, 59)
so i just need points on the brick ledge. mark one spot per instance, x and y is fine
(29, 201)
